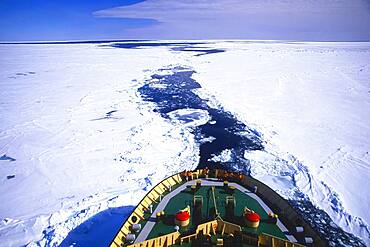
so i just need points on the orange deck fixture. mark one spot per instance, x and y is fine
(182, 218)
(252, 219)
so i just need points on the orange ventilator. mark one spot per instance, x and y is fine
(182, 218)
(252, 219)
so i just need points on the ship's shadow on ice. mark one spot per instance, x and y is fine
(98, 230)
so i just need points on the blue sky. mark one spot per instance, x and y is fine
(317, 20)
(32, 20)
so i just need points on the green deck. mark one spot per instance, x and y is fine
(185, 198)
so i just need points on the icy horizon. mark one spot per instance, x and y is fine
(92, 41)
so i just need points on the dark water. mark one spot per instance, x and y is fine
(8, 158)
(136, 45)
(174, 46)
(175, 91)
(324, 225)
(203, 50)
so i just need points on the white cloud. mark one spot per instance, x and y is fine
(288, 19)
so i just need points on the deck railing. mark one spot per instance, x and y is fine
(268, 240)
(165, 240)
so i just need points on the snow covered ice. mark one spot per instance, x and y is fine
(77, 138)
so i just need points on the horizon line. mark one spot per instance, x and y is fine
(97, 41)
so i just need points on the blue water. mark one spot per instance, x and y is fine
(136, 45)
(325, 226)
(203, 50)
(8, 158)
(174, 46)
(177, 92)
